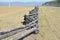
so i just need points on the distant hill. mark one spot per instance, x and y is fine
(20, 3)
(52, 3)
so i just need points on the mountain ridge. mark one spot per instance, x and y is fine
(20, 3)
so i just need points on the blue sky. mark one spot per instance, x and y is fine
(25, 0)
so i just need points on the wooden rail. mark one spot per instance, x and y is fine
(21, 36)
(14, 31)
(30, 24)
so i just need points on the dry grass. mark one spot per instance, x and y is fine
(49, 21)
(13, 16)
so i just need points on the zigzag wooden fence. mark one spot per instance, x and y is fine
(30, 24)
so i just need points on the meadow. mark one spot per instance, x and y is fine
(10, 17)
(49, 21)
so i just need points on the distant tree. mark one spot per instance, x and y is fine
(57, 0)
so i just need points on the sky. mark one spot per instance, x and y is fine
(24, 0)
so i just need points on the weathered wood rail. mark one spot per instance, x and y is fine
(20, 37)
(30, 24)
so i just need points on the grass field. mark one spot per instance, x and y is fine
(12, 17)
(49, 21)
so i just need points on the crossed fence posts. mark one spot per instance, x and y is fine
(30, 24)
